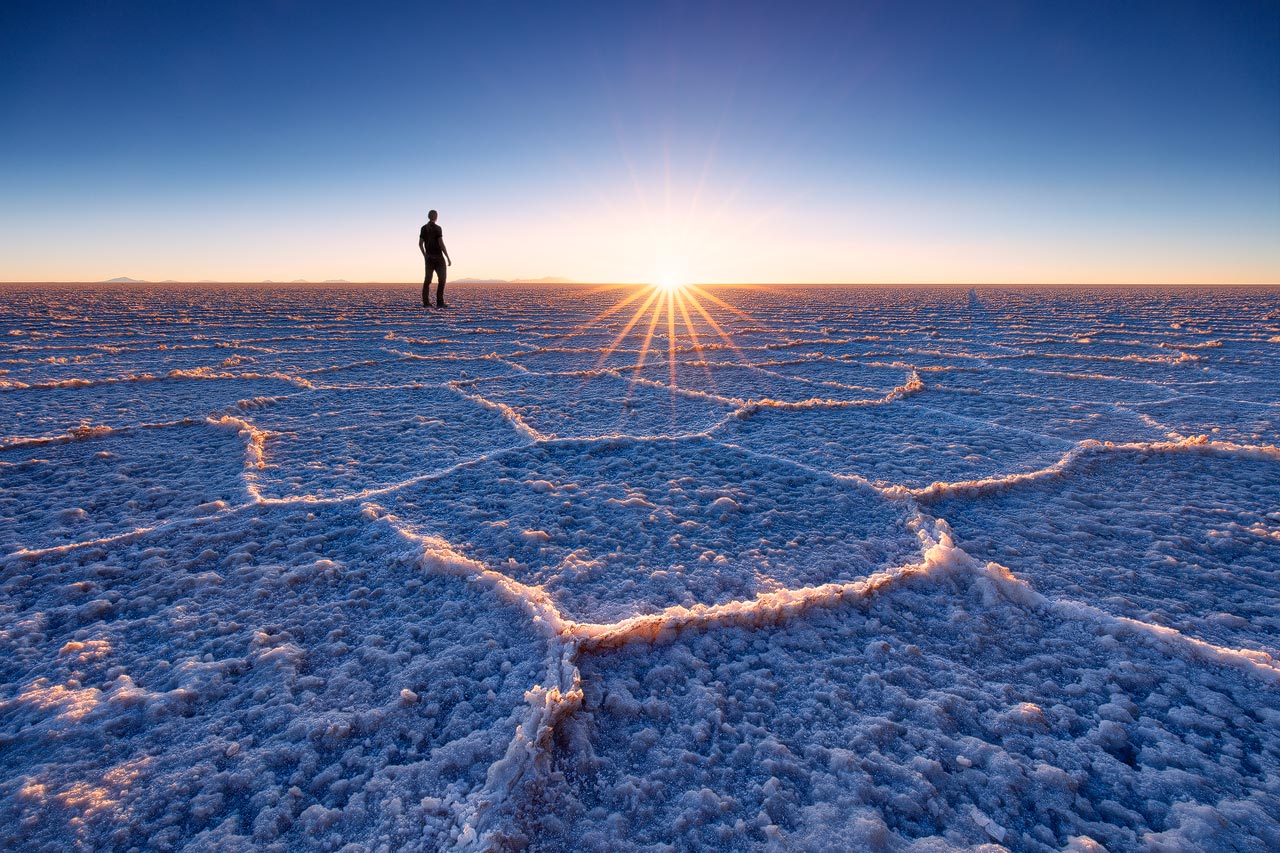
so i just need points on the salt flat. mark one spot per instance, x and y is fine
(865, 568)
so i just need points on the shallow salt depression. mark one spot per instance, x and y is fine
(751, 568)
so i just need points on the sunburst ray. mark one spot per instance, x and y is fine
(693, 337)
(725, 305)
(718, 330)
(671, 337)
(631, 324)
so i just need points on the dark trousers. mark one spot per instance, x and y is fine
(437, 266)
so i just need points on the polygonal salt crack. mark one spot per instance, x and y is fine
(618, 527)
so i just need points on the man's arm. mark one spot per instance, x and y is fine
(447, 259)
(422, 244)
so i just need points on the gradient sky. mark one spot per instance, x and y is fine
(779, 142)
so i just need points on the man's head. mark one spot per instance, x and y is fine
(432, 216)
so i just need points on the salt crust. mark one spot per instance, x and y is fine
(902, 570)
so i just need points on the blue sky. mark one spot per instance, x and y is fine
(716, 142)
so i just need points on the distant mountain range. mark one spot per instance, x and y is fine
(124, 279)
(550, 279)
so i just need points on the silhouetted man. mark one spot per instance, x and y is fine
(431, 242)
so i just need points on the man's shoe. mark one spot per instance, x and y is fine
(443, 305)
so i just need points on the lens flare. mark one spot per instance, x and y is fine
(670, 307)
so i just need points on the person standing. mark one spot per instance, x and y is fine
(431, 242)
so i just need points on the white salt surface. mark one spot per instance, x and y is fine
(852, 569)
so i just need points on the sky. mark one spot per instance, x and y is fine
(854, 142)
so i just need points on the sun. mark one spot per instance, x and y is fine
(670, 273)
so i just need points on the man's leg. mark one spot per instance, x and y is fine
(441, 275)
(426, 284)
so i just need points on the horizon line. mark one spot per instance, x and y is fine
(574, 283)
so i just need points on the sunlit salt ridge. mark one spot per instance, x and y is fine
(620, 568)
